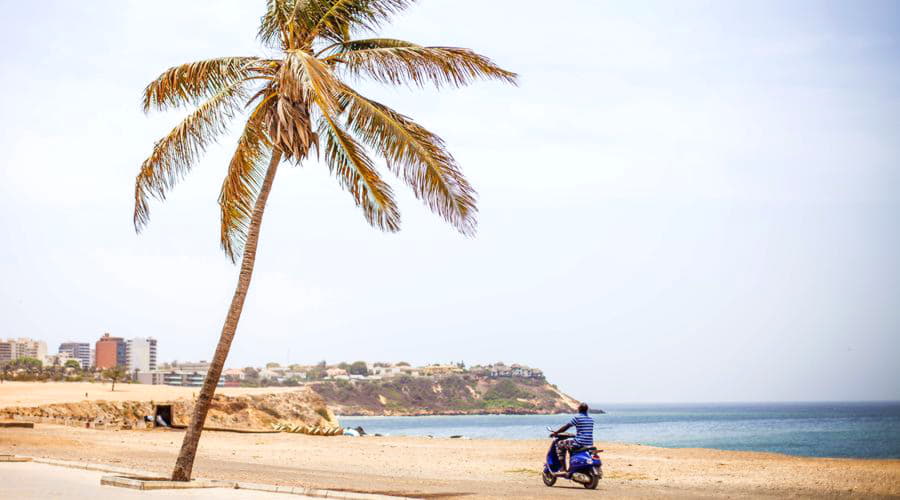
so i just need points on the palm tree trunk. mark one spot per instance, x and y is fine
(185, 461)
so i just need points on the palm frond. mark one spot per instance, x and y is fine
(174, 154)
(318, 81)
(190, 83)
(241, 186)
(355, 171)
(396, 61)
(286, 23)
(335, 19)
(417, 156)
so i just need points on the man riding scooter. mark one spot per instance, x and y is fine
(584, 437)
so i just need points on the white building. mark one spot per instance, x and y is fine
(188, 375)
(57, 359)
(150, 378)
(386, 371)
(140, 355)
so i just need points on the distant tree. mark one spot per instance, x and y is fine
(272, 364)
(73, 364)
(5, 368)
(359, 368)
(31, 366)
(343, 365)
(251, 373)
(322, 364)
(316, 373)
(403, 363)
(54, 371)
(114, 374)
(295, 368)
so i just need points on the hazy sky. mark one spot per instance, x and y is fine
(681, 201)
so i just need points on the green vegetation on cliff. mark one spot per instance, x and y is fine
(448, 395)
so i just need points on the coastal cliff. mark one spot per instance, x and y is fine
(448, 395)
(242, 412)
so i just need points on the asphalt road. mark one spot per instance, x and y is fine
(29, 480)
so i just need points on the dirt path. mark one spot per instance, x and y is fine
(452, 468)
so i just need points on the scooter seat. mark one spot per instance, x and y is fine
(584, 448)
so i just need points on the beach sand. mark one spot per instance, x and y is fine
(431, 468)
(454, 468)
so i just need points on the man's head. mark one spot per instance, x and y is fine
(583, 408)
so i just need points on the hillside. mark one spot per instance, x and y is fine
(246, 409)
(449, 395)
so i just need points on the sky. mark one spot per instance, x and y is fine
(680, 202)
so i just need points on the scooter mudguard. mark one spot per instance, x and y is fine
(553, 464)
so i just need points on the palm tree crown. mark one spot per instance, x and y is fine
(300, 102)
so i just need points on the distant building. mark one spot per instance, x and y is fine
(7, 350)
(500, 370)
(110, 352)
(276, 374)
(12, 349)
(385, 371)
(337, 374)
(150, 378)
(188, 375)
(234, 374)
(140, 355)
(56, 359)
(77, 350)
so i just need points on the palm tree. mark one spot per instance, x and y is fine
(298, 102)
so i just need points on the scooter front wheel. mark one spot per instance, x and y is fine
(548, 477)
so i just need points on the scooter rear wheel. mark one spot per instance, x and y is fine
(592, 485)
(548, 477)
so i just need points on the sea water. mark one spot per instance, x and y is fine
(862, 430)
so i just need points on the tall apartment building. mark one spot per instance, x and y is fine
(77, 350)
(140, 354)
(7, 350)
(110, 352)
(12, 349)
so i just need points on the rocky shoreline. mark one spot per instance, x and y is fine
(441, 413)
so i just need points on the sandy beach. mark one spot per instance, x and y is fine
(429, 468)
(453, 468)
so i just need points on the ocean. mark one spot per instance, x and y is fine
(859, 430)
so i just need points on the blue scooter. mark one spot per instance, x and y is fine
(585, 466)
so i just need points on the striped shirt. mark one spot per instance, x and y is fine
(585, 427)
